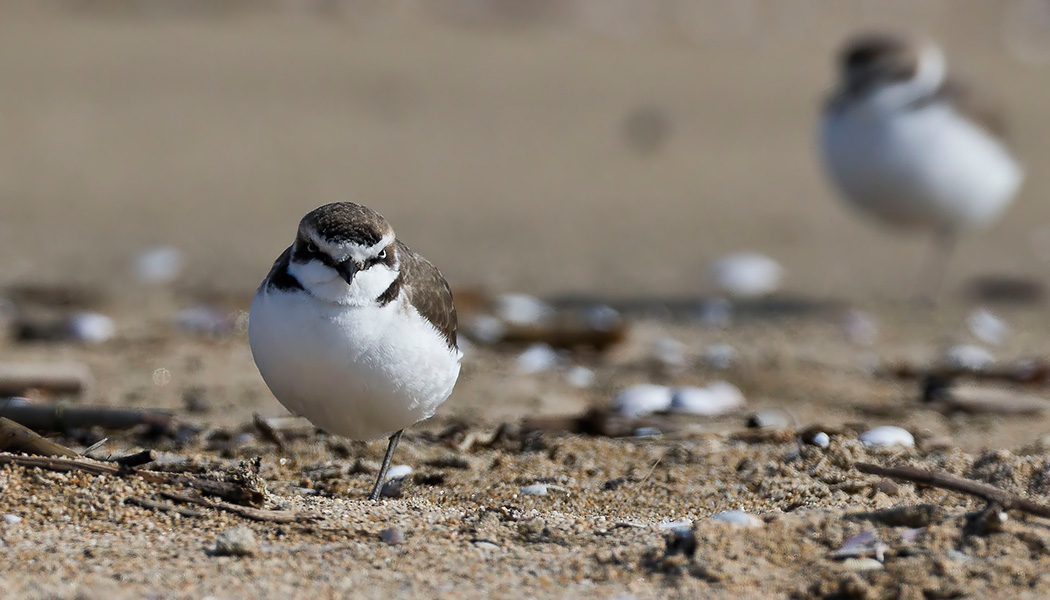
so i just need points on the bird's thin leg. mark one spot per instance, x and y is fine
(932, 275)
(378, 488)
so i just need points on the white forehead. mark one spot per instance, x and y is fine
(341, 252)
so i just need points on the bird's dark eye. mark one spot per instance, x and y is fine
(312, 248)
(382, 254)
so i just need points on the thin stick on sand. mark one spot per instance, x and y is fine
(989, 493)
(255, 514)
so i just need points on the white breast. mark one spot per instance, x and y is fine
(358, 372)
(928, 167)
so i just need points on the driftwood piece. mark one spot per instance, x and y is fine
(991, 494)
(58, 378)
(1035, 372)
(605, 422)
(162, 506)
(944, 395)
(255, 514)
(60, 417)
(565, 333)
(237, 491)
(136, 460)
(17, 438)
(85, 465)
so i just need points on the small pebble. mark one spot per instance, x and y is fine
(956, 555)
(12, 519)
(737, 518)
(580, 377)
(522, 309)
(159, 265)
(540, 489)
(746, 274)
(643, 399)
(90, 328)
(647, 432)
(537, 358)
(887, 435)
(398, 472)
(987, 327)
(889, 487)
(716, 399)
(969, 357)
(392, 536)
(602, 318)
(236, 541)
(820, 440)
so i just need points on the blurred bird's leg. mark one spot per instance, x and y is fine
(932, 274)
(377, 490)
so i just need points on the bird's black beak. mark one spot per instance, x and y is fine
(347, 269)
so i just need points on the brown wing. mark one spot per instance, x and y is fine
(428, 292)
(974, 105)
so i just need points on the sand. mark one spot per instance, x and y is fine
(499, 153)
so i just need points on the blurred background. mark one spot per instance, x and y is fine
(612, 147)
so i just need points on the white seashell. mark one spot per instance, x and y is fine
(12, 519)
(887, 435)
(719, 356)
(537, 358)
(864, 544)
(580, 377)
(737, 518)
(647, 432)
(487, 329)
(540, 489)
(860, 328)
(746, 274)
(987, 327)
(715, 312)
(716, 399)
(679, 525)
(602, 318)
(820, 440)
(90, 328)
(158, 265)
(669, 352)
(522, 309)
(642, 399)
(398, 472)
(969, 357)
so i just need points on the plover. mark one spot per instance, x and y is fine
(353, 330)
(912, 146)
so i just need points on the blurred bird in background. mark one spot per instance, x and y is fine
(910, 145)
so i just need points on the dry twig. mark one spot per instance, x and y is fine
(989, 493)
(15, 437)
(162, 506)
(255, 514)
